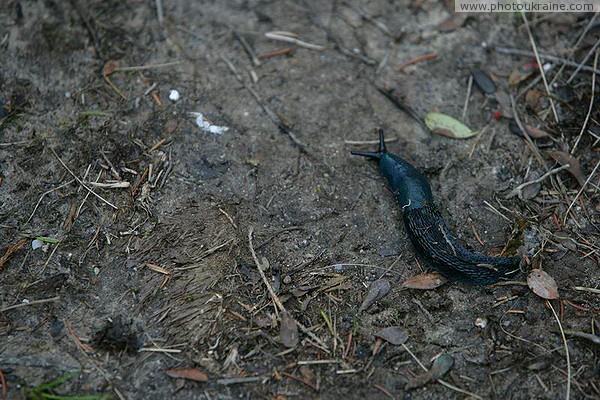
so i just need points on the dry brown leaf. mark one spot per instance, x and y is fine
(110, 67)
(542, 284)
(533, 98)
(536, 133)
(522, 72)
(377, 290)
(431, 280)
(393, 334)
(191, 374)
(563, 158)
(289, 331)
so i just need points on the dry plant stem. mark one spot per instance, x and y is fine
(159, 12)
(442, 382)
(549, 57)
(276, 300)
(31, 303)
(575, 46)
(587, 117)
(272, 116)
(540, 66)
(42, 197)
(466, 106)
(290, 39)
(149, 66)
(518, 189)
(248, 49)
(562, 334)
(80, 182)
(574, 74)
(532, 146)
(579, 193)
(586, 289)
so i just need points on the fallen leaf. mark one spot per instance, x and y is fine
(483, 81)
(110, 67)
(431, 280)
(377, 290)
(446, 125)
(191, 374)
(533, 98)
(288, 333)
(522, 72)
(533, 132)
(441, 365)
(563, 158)
(542, 284)
(393, 334)
(531, 190)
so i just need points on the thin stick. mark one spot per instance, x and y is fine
(284, 38)
(31, 303)
(562, 333)
(532, 146)
(159, 11)
(580, 66)
(496, 211)
(274, 296)
(80, 182)
(466, 106)
(418, 59)
(587, 117)
(575, 46)
(149, 66)
(248, 48)
(549, 57)
(580, 191)
(540, 66)
(42, 196)
(518, 189)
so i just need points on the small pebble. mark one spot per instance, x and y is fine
(481, 322)
(287, 279)
(174, 95)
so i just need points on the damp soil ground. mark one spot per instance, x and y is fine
(154, 273)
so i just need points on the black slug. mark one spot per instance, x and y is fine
(428, 232)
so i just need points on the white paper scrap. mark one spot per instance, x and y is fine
(207, 126)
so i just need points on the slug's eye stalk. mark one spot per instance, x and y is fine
(373, 154)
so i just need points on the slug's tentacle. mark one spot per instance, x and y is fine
(427, 230)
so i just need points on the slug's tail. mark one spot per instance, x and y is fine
(437, 246)
(373, 154)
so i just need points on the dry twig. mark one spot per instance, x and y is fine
(275, 298)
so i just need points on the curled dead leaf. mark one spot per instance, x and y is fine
(377, 290)
(428, 281)
(191, 374)
(563, 158)
(542, 284)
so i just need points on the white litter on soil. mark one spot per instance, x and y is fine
(207, 126)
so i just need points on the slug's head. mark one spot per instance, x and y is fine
(375, 155)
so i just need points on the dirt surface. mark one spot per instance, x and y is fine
(159, 275)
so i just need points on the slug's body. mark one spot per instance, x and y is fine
(428, 232)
